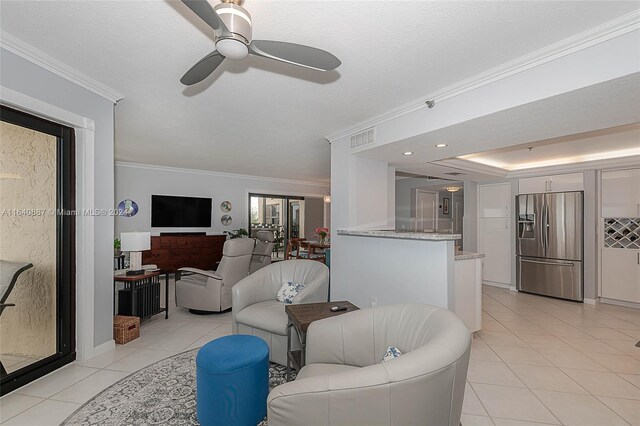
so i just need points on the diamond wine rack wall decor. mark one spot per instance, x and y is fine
(622, 232)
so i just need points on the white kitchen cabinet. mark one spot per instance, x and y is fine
(567, 182)
(621, 274)
(554, 183)
(468, 300)
(621, 193)
(533, 185)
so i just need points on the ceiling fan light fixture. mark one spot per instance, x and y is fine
(231, 48)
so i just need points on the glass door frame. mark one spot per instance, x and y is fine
(65, 250)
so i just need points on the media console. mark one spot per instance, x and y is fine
(173, 251)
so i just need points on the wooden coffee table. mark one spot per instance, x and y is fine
(301, 316)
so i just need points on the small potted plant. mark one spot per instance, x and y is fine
(322, 234)
(117, 247)
(237, 233)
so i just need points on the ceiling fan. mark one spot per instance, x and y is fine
(232, 26)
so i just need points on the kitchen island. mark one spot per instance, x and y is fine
(371, 267)
(382, 267)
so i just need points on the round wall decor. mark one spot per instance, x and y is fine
(127, 208)
(226, 220)
(225, 206)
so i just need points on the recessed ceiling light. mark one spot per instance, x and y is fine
(407, 153)
(441, 145)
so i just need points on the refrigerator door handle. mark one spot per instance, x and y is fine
(543, 229)
(548, 263)
(546, 206)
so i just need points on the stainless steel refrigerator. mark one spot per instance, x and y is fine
(549, 244)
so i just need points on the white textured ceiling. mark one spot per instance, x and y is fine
(265, 118)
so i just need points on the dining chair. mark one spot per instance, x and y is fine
(293, 249)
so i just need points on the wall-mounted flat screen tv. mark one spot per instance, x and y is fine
(168, 211)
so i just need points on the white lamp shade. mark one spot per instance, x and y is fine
(135, 241)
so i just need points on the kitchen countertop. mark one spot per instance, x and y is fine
(424, 236)
(467, 255)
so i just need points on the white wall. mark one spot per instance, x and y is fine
(392, 271)
(139, 182)
(29, 79)
(313, 216)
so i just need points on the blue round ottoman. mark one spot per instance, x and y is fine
(232, 381)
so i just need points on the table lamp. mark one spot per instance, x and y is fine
(135, 243)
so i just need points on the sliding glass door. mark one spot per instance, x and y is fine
(37, 250)
(283, 215)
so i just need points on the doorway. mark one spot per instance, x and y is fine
(37, 248)
(426, 210)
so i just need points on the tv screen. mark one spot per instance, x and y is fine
(168, 211)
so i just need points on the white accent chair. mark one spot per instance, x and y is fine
(345, 383)
(209, 291)
(257, 311)
(262, 251)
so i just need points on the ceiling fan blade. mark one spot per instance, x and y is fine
(296, 54)
(203, 9)
(202, 69)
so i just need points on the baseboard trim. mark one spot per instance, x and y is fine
(592, 302)
(106, 346)
(620, 303)
(499, 285)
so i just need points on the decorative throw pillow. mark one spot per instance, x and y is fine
(391, 353)
(288, 291)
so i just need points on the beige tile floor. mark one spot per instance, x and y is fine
(536, 361)
(546, 361)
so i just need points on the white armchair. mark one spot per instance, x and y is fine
(345, 382)
(256, 310)
(209, 291)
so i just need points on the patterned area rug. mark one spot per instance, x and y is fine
(163, 393)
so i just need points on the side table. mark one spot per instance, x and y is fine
(144, 294)
(300, 317)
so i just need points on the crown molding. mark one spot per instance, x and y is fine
(37, 57)
(217, 174)
(591, 37)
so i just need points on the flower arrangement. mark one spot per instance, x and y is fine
(322, 234)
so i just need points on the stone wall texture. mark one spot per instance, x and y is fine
(28, 181)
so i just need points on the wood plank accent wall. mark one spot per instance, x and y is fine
(171, 252)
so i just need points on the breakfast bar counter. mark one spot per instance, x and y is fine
(400, 235)
(382, 267)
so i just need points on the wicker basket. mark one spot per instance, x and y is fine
(125, 329)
